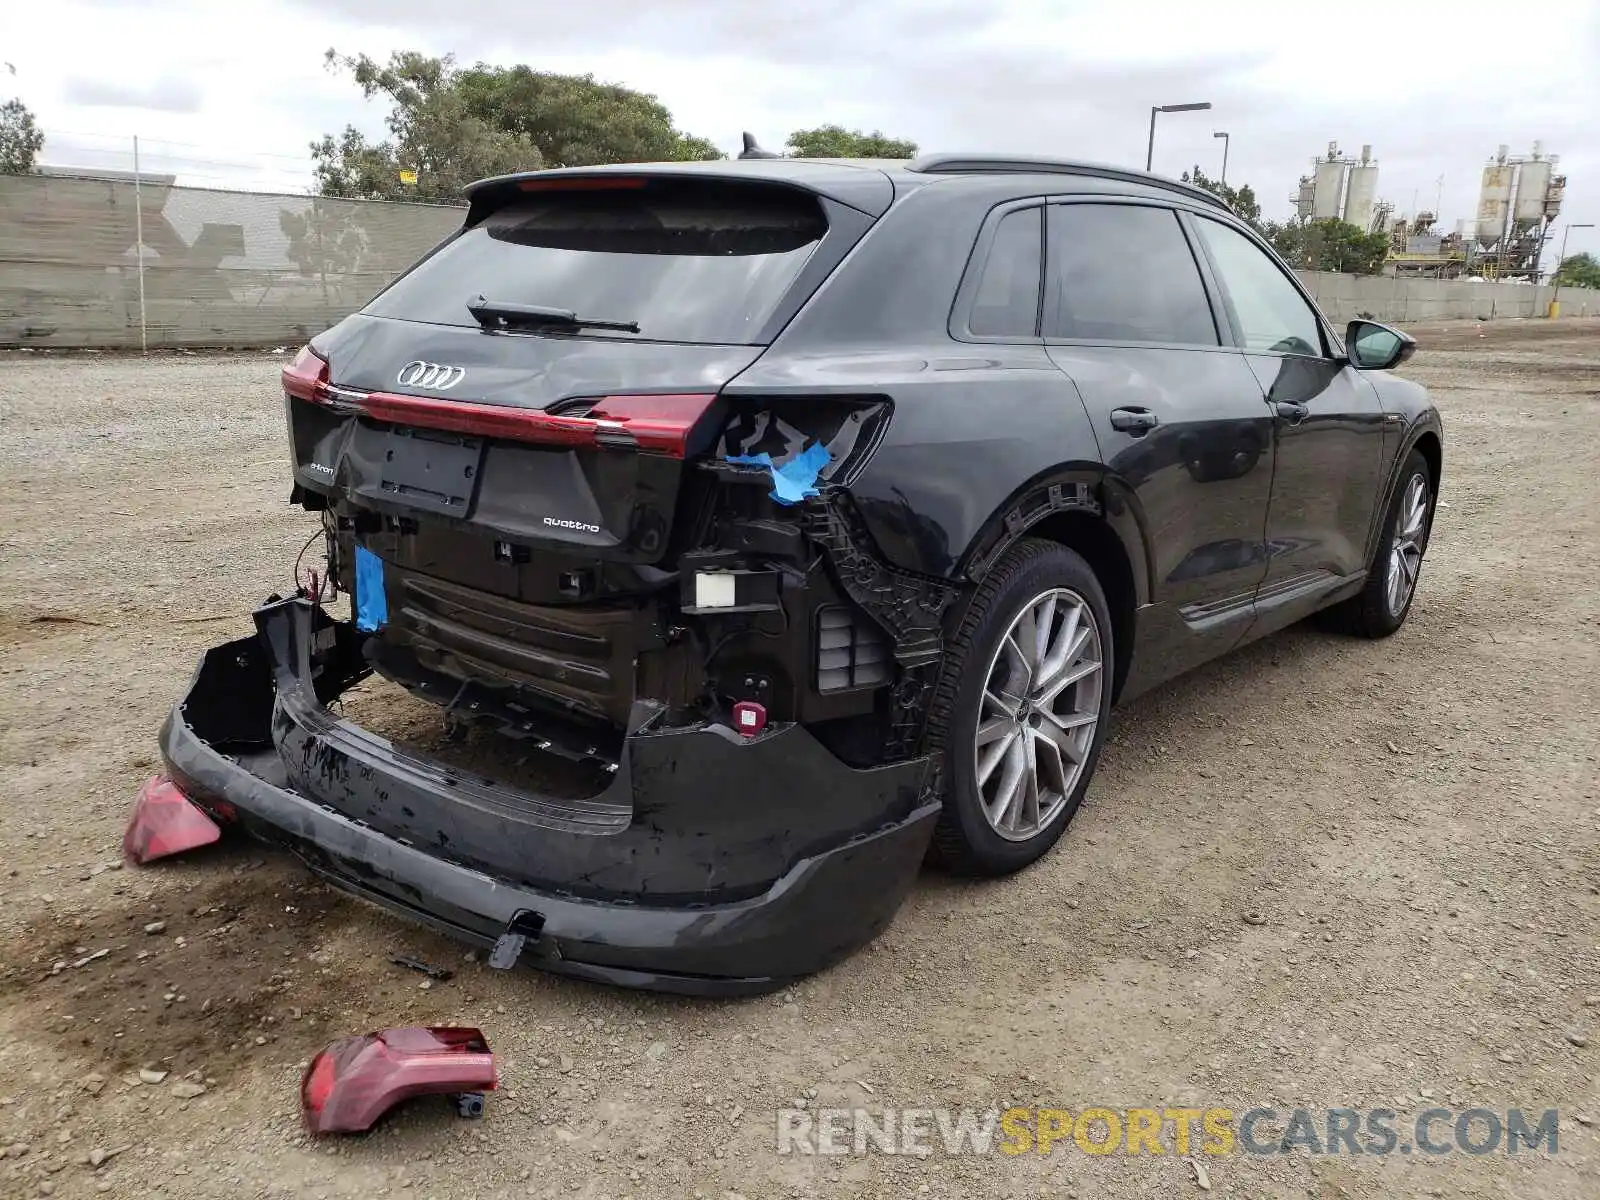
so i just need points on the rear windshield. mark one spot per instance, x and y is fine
(685, 260)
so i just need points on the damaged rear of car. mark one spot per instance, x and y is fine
(562, 508)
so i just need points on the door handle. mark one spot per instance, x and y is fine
(1291, 411)
(1137, 421)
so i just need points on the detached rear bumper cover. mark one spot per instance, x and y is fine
(712, 864)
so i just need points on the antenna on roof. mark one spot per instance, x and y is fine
(752, 150)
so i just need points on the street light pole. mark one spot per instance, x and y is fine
(1555, 295)
(1150, 150)
(1222, 133)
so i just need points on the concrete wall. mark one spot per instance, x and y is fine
(1402, 301)
(251, 269)
(220, 268)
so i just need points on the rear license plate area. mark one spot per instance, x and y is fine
(424, 469)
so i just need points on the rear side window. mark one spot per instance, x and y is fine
(688, 261)
(1006, 303)
(1124, 273)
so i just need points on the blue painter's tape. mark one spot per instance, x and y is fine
(794, 481)
(372, 603)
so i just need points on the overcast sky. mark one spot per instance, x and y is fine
(230, 93)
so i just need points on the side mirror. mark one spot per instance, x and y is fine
(1375, 347)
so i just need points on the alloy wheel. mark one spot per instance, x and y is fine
(1405, 554)
(1038, 715)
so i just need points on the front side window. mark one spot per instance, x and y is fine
(1006, 303)
(1124, 273)
(1269, 311)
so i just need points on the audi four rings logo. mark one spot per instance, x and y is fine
(439, 377)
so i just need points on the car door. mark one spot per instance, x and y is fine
(1328, 429)
(1183, 433)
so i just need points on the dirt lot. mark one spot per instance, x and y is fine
(1410, 826)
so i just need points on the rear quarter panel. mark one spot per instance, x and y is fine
(970, 425)
(971, 422)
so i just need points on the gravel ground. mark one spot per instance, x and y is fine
(1409, 827)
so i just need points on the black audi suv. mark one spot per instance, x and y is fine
(812, 516)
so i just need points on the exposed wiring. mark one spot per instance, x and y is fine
(748, 631)
(708, 696)
(713, 682)
(302, 554)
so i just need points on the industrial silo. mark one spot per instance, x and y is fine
(1554, 194)
(1305, 198)
(1494, 199)
(1327, 197)
(1363, 191)
(1533, 182)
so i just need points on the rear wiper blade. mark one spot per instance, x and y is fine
(500, 314)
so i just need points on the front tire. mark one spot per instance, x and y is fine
(1021, 709)
(1381, 607)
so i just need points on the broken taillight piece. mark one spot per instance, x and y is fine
(749, 717)
(353, 1082)
(165, 822)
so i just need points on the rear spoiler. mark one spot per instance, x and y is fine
(863, 188)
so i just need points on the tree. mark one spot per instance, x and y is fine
(325, 240)
(453, 125)
(575, 121)
(1329, 245)
(1288, 238)
(1241, 199)
(1580, 270)
(835, 141)
(20, 138)
(1326, 245)
(434, 133)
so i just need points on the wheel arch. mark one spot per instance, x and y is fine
(1431, 448)
(1425, 438)
(1092, 517)
(1429, 445)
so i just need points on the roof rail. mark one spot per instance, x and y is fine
(996, 164)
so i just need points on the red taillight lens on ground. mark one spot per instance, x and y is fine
(307, 376)
(354, 1081)
(165, 822)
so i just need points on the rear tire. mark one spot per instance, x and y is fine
(1381, 607)
(1021, 709)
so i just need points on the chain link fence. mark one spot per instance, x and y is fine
(217, 268)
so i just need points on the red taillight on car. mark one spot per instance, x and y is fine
(456, 416)
(165, 822)
(658, 424)
(583, 183)
(307, 376)
(652, 423)
(353, 1082)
